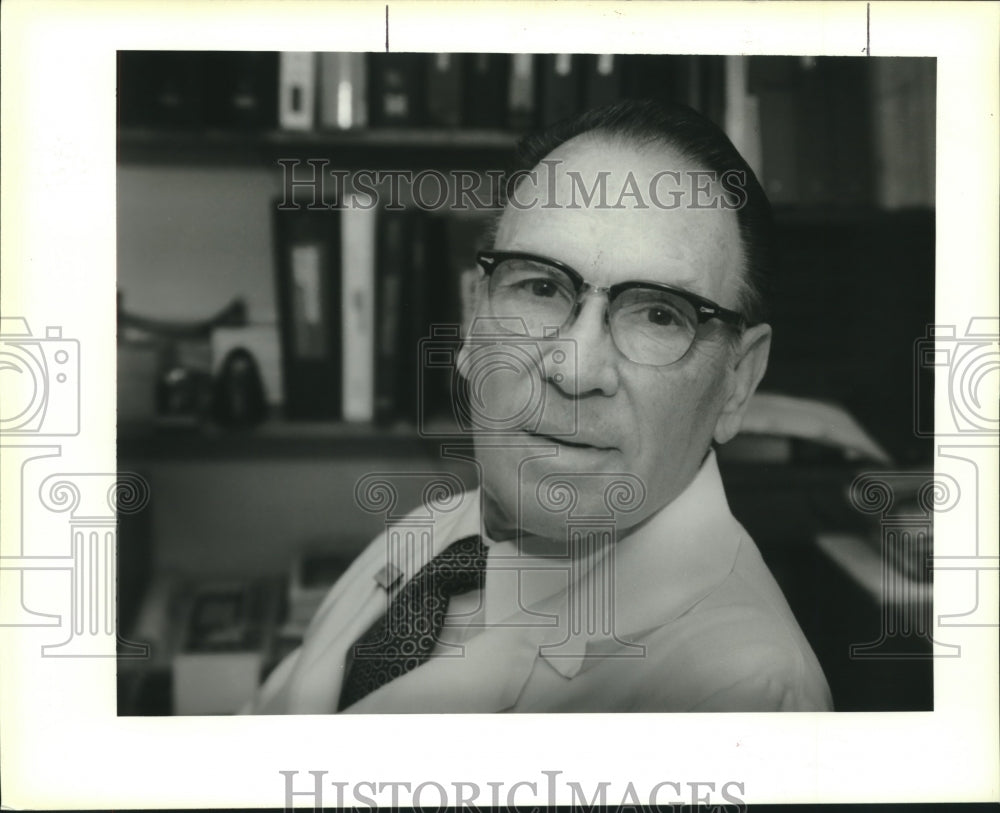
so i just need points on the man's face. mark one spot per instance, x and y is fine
(655, 423)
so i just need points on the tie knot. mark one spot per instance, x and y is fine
(458, 568)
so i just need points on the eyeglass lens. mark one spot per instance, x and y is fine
(648, 326)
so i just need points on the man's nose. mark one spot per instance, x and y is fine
(589, 364)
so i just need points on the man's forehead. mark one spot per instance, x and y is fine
(619, 210)
(574, 172)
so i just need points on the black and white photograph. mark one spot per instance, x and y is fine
(354, 292)
(638, 381)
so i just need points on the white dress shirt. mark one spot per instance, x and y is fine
(679, 615)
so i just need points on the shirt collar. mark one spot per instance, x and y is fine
(660, 570)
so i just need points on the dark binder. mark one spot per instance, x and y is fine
(444, 90)
(560, 83)
(774, 81)
(487, 76)
(393, 263)
(242, 90)
(427, 304)
(602, 79)
(666, 77)
(848, 83)
(521, 92)
(162, 89)
(394, 88)
(307, 245)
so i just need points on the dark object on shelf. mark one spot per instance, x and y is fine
(395, 84)
(183, 395)
(307, 254)
(238, 399)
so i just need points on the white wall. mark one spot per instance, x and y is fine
(192, 238)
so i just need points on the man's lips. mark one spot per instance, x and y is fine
(571, 441)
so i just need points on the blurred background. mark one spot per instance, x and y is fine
(273, 353)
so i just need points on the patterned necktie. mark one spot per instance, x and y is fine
(405, 636)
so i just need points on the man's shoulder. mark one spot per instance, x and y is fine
(731, 658)
(739, 648)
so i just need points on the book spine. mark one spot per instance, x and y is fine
(486, 90)
(521, 92)
(773, 80)
(358, 304)
(307, 248)
(394, 89)
(847, 91)
(343, 91)
(444, 90)
(603, 80)
(742, 116)
(297, 90)
(560, 96)
(392, 263)
(242, 90)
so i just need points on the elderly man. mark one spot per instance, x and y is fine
(618, 338)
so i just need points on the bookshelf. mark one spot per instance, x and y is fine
(404, 148)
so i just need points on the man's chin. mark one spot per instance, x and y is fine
(543, 493)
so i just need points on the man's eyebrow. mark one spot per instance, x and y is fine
(685, 286)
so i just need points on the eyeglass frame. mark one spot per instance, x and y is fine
(705, 309)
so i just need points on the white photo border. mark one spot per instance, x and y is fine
(62, 743)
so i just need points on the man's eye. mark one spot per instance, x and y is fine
(662, 316)
(543, 288)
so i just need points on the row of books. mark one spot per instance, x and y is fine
(307, 91)
(364, 296)
(836, 131)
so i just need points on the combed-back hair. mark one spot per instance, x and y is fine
(646, 122)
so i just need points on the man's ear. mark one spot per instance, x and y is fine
(750, 363)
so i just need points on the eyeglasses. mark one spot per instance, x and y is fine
(650, 323)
